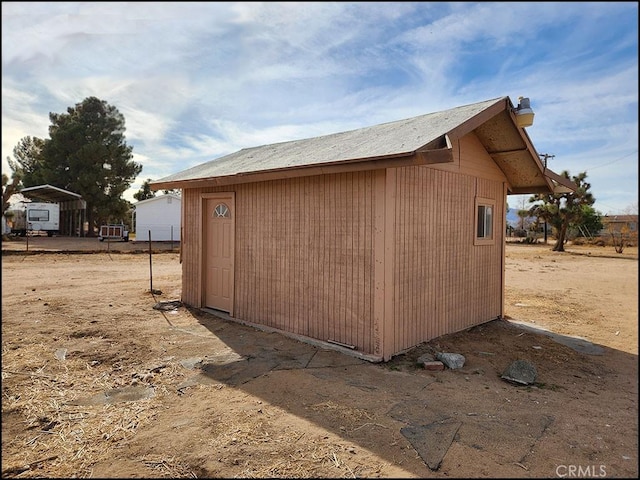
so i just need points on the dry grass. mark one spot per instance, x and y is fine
(607, 251)
(63, 432)
(60, 430)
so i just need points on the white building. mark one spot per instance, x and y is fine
(159, 215)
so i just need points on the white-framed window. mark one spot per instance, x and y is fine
(484, 221)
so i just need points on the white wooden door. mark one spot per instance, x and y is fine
(219, 252)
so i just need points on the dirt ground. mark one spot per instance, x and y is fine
(96, 382)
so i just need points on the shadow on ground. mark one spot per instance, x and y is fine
(391, 407)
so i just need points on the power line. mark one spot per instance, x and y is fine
(612, 161)
(612, 210)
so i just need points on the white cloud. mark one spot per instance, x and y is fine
(198, 80)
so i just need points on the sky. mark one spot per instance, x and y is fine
(199, 80)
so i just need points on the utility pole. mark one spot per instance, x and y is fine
(545, 157)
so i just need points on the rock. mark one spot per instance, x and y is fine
(427, 357)
(191, 363)
(116, 395)
(166, 306)
(451, 360)
(520, 372)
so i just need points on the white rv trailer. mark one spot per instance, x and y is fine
(34, 217)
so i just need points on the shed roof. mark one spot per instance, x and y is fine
(619, 218)
(159, 197)
(425, 139)
(49, 193)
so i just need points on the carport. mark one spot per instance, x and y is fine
(73, 209)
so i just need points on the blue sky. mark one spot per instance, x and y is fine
(196, 81)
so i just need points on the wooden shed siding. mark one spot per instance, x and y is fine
(304, 255)
(191, 248)
(443, 282)
(471, 158)
(313, 268)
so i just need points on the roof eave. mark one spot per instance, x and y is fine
(544, 180)
(422, 157)
(560, 184)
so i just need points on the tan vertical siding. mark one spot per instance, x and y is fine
(379, 273)
(191, 247)
(473, 160)
(304, 255)
(390, 332)
(443, 282)
(490, 259)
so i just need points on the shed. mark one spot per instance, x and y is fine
(370, 241)
(622, 229)
(619, 223)
(160, 216)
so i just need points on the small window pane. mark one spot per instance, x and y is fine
(38, 215)
(488, 221)
(480, 232)
(485, 221)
